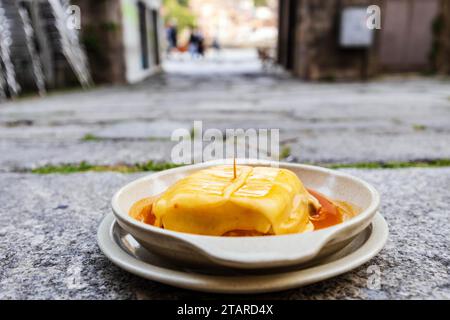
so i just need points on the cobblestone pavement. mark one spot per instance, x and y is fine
(48, 222)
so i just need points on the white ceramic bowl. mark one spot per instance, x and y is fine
(249, 252)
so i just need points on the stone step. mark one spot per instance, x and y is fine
(49, 222)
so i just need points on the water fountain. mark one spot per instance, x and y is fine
(70, 42)
(35, 61)
(8, 83)
(22, 26)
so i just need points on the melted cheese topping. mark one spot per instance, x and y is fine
(213, 202)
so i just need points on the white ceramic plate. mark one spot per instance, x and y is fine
(123, 250)
(250, 252)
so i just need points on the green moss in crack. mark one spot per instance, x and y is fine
(159, 166)
(419, 127)
(84, 166)
(64, 168)
(285, 152)
(90, 137)
(155, 166)
(392, 164)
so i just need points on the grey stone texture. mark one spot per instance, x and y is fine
(48, 247)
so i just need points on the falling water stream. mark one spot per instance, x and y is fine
(35, 61)
(68, 39)
(8, 83)
(70, 42)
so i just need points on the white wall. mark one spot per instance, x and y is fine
(132, 41)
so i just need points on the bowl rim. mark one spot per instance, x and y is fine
(360, 218)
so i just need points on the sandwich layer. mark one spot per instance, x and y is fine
(213, 201)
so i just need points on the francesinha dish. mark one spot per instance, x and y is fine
(241, 201)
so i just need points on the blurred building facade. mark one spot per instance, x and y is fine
(122, 38)
(120, 41)
(443, 44)
(46, 44)
(414, 37)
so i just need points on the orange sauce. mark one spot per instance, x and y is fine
(142, 210)
(328, 214)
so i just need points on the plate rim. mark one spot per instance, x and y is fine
(248, 284)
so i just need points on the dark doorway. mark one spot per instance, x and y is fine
(287, 21)
(143, 34)
(293, 4)
(155, 22)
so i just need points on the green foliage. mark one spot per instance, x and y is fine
(260, 3)
(184, 3)
(178, 10)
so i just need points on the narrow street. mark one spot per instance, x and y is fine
(398, 120)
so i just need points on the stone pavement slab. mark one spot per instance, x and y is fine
(48, 227)
(34, 155)
(401, 119)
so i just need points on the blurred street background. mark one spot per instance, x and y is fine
(150, 67)
(395, 119)
(91, 91)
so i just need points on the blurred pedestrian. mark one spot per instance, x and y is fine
(215, 44)
(196, 43)
(201, 45)
(172, 36)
